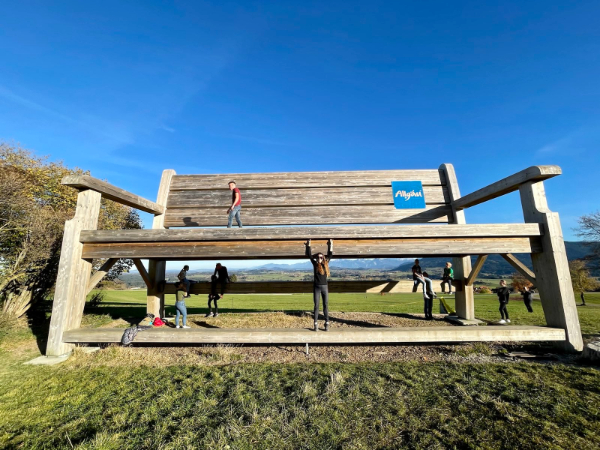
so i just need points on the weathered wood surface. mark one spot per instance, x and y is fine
(73, 274)
(370, 248)
(100, 273)
(307, 179)
(308, 215)
(284, 287)
(142, 271)
(111, 192)
(273, 336)
(551, 267)
(464, 296)
(157, 268)
(520, 267)
(476, 269)
(434, 195)
(506, 185)
(324, 232)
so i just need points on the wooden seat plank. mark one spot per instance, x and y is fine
(323, 232)
(369, 248)
(221, 198)
(307, 179)
(274, 336)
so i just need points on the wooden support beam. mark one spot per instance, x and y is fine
(100, 273)
(551, 267)
(476, 269)
(506, 185)
(73, 274)
(111, 192)
(142, 270)
(520, 267)
(464, 297)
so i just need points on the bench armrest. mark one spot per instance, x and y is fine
(506, 185)
(83, 182)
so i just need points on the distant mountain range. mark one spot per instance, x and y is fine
(375, 263)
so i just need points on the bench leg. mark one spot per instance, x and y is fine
(73, 274)
(551, 267)
(155, 295)
(464, 301)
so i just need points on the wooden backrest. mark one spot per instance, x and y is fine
(304, 198)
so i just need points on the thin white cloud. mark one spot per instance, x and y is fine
(582, 140)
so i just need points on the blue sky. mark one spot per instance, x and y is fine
(127, 89)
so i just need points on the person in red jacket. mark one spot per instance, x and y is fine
(236, 205)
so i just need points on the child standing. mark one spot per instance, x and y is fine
(503, 293)
(527, 297)
(447, 277)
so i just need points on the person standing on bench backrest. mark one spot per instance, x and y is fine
(182, 277)
(320, 289)
(236, 205)
(221, 277)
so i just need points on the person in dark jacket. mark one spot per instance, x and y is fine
(220, 276)
(503, 293)
(320, 264)
(527, 297)
(428, 296)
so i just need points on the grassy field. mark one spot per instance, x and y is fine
(124, 399)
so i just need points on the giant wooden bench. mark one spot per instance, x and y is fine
(280, 211)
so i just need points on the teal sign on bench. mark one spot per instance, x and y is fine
(408, 194)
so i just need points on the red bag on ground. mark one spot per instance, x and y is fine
(158, 322)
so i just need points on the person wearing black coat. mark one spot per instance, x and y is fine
(320, 264)
(503, 293)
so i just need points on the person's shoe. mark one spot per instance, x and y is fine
(216, 315)
(185, 326)
(208, 314)
(326, 326)
(502, 321)
(450, 293)
(177, 326)
(316, 327)
(507, 320)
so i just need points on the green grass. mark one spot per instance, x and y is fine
(112, 402)
(128, 304)
(409, 405)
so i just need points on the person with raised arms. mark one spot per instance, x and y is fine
(320, 264)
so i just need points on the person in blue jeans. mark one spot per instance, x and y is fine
(180, 305)
(236, 205)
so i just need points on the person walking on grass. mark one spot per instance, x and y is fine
(320, 287)
(236, 205)
(180, 305)
(447, 277)
(503, 293)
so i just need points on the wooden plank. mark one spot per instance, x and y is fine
(552, 267)
(324, 232)
(277, 336)
(476, 269)
(156, 268)
(111, 192)
(376, 195)
(506, 185)
(282, 287)
(308, 215)
(100, 273)
(464, 296)
(307, 179)
(365, 248)
(142, 270)
(520, 267)
(73, 274)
